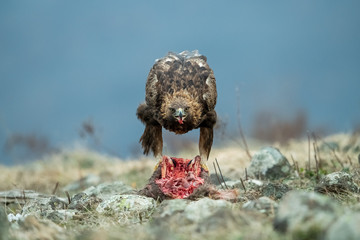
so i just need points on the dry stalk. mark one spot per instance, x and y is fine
(222, 177)
(55, 189)
(316, 162)
(240, 128)
(68, 196)
(217, 176)
(242, 183)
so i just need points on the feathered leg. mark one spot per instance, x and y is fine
(152, 139)
(152, 136)
(205, 142)
(206, 134)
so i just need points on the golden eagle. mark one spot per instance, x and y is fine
(180, 96)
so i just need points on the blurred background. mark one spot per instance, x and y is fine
(74, 72)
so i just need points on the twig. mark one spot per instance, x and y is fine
(349, 158)
(221, 173)
(316, 162)
(338, 159)
(292, 158)
(217, 176)
(55, 189)
(23, 192)
(246, 175)
(334, 153)
(242, 183)
(297, 168)
(317, 149)
(68, 196)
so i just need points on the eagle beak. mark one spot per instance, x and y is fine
(180, 115)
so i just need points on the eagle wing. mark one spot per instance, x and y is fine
(187, 70)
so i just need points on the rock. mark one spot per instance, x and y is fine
(82, 201)
(275, 190)
(204, 215)
(346, 228)
(306, 215)
(269, 163)
(254, 184)
(53, 208)
(83, 183)
(171, 207)
(128, 208)
(337, 182)
(197, 211)
(20, 196)
(106, 190)
(59, 216)
(264, 205)
(4, 224)
(42, 205)
(34, 228)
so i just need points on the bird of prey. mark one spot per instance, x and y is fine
(180, 96)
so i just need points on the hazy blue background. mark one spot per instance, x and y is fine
(63, 62)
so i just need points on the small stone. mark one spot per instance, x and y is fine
(234, 184)
(337, 182)
(269, 163)
(82, 201)
(275, 190)
(263, 204)
(254, 184)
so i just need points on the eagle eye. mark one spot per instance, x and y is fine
(186, 108)
(172, 110)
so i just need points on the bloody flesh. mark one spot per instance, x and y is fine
(179, 177)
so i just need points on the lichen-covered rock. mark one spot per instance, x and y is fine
(128, 208)
(35, 207)
(4, 224)
(104, 190)
(269, 163)
(82, 201)
(346, 227)
(337, 182)
(53, 208)
(275, 190)
(264, 205)
(306, 215)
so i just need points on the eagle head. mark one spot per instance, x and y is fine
(178, 111)
(181, 111)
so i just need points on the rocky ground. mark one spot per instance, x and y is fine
(79, 194)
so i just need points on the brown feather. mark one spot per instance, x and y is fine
(182, 80)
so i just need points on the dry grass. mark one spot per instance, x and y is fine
(70, 165)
